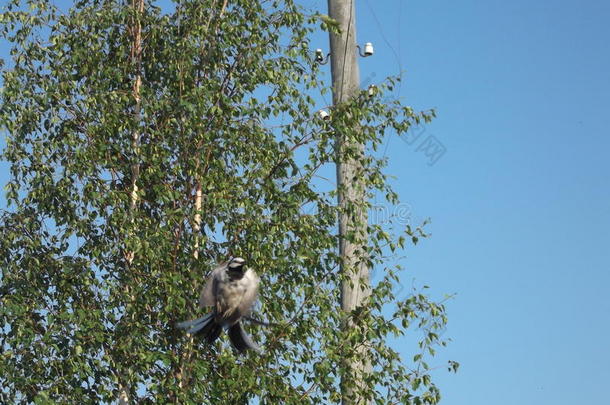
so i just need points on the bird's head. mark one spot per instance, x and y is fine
(237, 264)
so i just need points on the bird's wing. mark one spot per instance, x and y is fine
(240, 339)
(249, 297)
(208, 294)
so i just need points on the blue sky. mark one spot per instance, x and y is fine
(519, 202)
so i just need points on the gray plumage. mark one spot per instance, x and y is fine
(231, 289)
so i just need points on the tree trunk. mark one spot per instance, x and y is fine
(136, 61)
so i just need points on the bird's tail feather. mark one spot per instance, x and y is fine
(198, 321)
(240, 339)
(205, 326)
(210, 331)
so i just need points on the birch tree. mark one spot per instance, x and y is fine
(145, 144)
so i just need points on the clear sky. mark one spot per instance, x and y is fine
(519, 201)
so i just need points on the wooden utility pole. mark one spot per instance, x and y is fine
(355, 288)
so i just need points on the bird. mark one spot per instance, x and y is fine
(231, 290)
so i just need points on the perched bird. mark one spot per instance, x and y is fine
(231, 290)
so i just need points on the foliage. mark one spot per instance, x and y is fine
(90, 287)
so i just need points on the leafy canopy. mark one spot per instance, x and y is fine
(90, 287)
